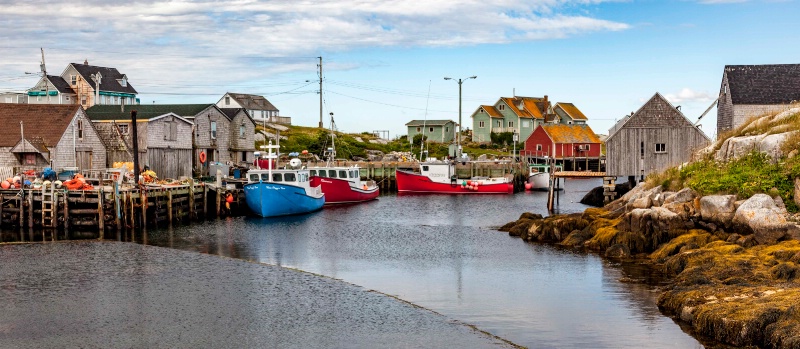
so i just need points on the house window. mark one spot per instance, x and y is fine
(66, 98)
(446, 129)
(39, 98)
(502, 107)
(227, 101)
(569, 122)
(171, 130)
(419, 129)
(430, 129)
(510, 124)
(526, 123)
(481, 111)
(499, 123)
(74, 79)
(661, 148)
(241, 131)
(641, 150)
(213, 130)
(124, 82)
(481, 124)
(80, 129)
(263, 114)
(123, 128)
(29, 159)
(538, 147)
(116, 99)
(244, 157)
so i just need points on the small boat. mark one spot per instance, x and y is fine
(341, 184)
(440, 177)
(282, 192)
(539, 176)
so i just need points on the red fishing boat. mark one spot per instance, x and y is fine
(343, 184)
(440, 177)
(339, 183)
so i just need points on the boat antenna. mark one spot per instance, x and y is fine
(422, 143)
(332, 151)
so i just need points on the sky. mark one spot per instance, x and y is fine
(384, 61)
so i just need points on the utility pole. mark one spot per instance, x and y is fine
(458, 134)
(320, 91)
(43, 68)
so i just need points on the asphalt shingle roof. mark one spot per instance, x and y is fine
(43, 124)
(252, 102)
(764, 84)
(109, 81)
(143, 111)
(429, 122)
(60, 84)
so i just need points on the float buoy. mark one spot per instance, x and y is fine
(5, 185)
(528, 186)
(202, 157)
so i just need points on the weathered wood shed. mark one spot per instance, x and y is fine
(42, 135)
(165, 138)
(656, 137)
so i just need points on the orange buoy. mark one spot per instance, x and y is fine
(202, 157)
(5, 184)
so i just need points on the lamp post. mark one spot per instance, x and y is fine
(458, 134)
(515, 139)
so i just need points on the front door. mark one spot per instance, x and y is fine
(84, 160)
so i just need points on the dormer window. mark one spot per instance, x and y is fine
(124, 81)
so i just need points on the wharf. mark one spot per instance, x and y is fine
(114, 208)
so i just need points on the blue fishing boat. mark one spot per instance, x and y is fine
(281, 192)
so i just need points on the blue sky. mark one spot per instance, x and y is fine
(384, 61)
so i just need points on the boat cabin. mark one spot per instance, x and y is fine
(443, 172)
(291, 177)
(351, 174)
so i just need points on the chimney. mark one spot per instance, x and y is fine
(85, 62)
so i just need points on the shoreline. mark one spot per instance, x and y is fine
(730, 280)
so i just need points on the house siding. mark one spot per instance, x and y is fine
(479, 134)
(437, 135)
(169, 158)
(216, 149)
(63, 154)
(244, 144)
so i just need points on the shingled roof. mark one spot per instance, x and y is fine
(528, 107)
(491, 111)
(571, 110)
(252, 102)
(144, 111)
(60, 84)
(763, 84)
(110, 78)
(44, 124)
(576, 133)
(429, 122)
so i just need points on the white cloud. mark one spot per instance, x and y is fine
(168, 43)
(687, 95)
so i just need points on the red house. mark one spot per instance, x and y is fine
(563, 141)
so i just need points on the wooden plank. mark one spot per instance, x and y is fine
(169, 207)
(100, 215)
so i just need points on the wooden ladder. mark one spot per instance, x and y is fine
(49, 197)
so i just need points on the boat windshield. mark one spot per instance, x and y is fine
(289, 177)
(313, 172)
(342, 174)
(332, 173)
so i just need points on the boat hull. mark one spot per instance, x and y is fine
(541, 181)
(339, 191)
(415, 183)
(273, 200)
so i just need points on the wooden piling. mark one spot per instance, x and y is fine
(30, 210)
(100, 214)
(169, 207)
(191, 199)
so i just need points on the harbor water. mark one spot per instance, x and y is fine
(439, 252)
(444, 253)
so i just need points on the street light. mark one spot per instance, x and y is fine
(458, 134)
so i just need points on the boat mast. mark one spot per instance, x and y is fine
(270, 156)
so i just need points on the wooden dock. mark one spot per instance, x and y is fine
(554, 188)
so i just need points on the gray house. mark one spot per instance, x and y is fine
(656, 137)
(442, 131)
(241, 143)
(754, 90)
(51, 135)
(13, 97)
(259, 108)
(165, 137)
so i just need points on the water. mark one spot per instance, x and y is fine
(443, 253)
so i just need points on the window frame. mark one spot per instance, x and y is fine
(663, 147)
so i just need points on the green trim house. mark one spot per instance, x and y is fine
(442, 131)
(510, 114)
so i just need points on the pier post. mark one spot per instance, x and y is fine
(143, 200)
(218, 201)
(169, 207)
(117, 211)
(191, 199)
(100, 214)
(205, 201)
(21, 212)
(30, 211)
(66, 213)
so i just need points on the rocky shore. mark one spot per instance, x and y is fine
(734, 265)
